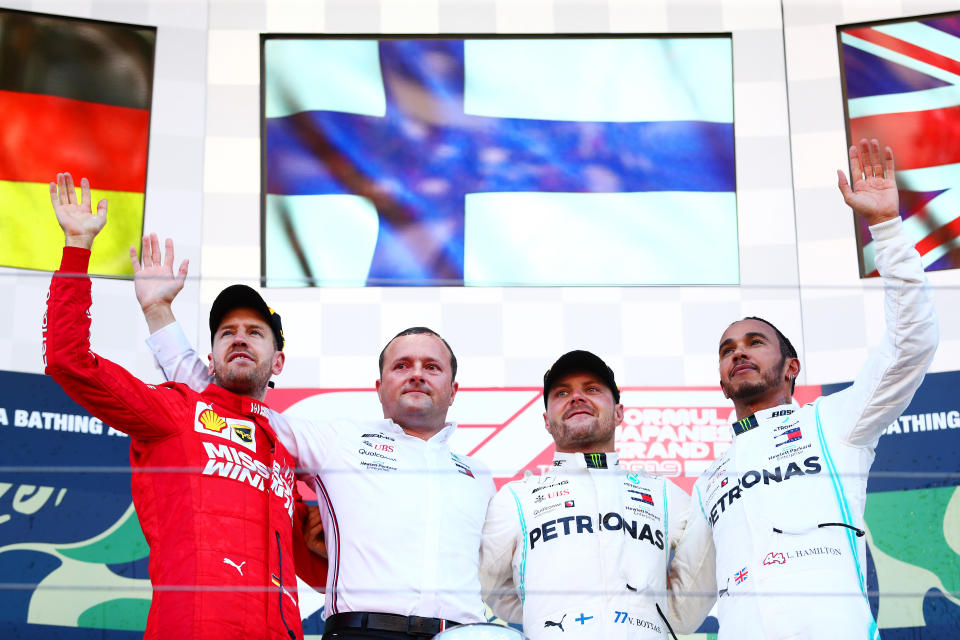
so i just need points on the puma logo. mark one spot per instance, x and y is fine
(551, 623)
(238, 567)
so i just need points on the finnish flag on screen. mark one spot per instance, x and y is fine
(499, 162)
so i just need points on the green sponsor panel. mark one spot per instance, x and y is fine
(128, 614)
(83, 591)
(124, 544)
(914, 537)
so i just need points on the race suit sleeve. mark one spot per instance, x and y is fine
(103, 388)
(306, 440)
(177, 358)
(895, 369)
(692, 577)
(678, 511)
(501, 534)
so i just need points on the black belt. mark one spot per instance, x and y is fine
(411, 625)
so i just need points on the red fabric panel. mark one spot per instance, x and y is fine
(41, 135)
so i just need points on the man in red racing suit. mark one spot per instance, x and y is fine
(212, 486)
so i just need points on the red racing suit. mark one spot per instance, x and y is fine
(212, 486)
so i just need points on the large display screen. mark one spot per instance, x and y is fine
(901, 83)
(74, 96)
(498, 161)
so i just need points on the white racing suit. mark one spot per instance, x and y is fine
(582, 552)
(784, 505)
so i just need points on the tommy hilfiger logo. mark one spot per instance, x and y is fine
(789, 437)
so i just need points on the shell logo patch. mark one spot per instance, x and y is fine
(240, 432)
(212, 421)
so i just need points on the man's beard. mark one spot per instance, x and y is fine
(244, 382)
(582, 437)
(744, 391)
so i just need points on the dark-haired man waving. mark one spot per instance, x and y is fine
(784, 505)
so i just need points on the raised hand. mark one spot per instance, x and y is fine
(154, 281)
(874, 196)
(79, 223)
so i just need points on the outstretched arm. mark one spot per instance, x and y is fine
(102, 387)
(156, 286)
(887, 382)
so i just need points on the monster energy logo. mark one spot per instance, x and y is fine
(596, 460)
(745, 425)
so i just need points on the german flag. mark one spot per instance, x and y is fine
(74, 96)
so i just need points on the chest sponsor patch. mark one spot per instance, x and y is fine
(792, 435)
(372, 464)
(226, 461)
(461, 465)
(627, 618)
(640, 500)
(377, 435)
(240, 432)
(380, 446)
(756, 477)
(588, 525)
(644, 496)
(783, 557)
(550, 495)
(375, 450)
(547, 509)
(548, 484)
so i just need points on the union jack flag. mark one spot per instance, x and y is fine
(902, 86)
(741, 575)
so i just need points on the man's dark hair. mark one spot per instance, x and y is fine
(412, 331)
(786, 347)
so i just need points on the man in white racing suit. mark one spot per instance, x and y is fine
(582, 550)
(784, 505)
(402, 514)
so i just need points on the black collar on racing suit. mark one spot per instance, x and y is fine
(751, 421)
(596, 460)
(742, 426)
